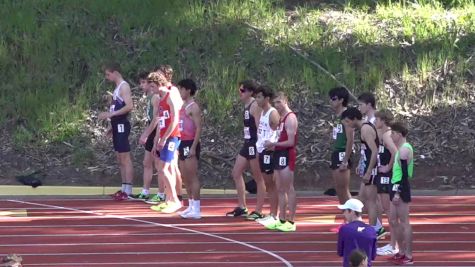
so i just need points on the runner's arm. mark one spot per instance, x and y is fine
(291, 125)
(198, 120)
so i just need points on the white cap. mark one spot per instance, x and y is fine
(352, 204)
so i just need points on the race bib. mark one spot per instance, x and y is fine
(120, 128)
(374, 171)
(384, 180)
(186, 151)
(247, 133)
(381, 149)
(252, 151)
(336, 130)
(171, 146)
(111, 109)
(266, 159)
(395, 187)
(246, 114)
(161, 122)
(283, 161)
(341, 156)
(166, 114)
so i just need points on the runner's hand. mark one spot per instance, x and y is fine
(192, 152)
(160, 145)
(366, 178)
(143, 139)
(343, 166)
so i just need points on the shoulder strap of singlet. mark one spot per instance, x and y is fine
(249, 106)
(189, 105)
(285, 118)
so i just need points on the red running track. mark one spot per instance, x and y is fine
(102, 232)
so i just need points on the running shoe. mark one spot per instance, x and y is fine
(254, 216)
(381, 233)
(386, 250)
(287, 227)
(404, 261)
(171, 208)
(274, 225)
(122, 196)
(396, 257)
(159, 207)
(156, 199)
(191, 215)
(266, 220)
(141, 196)
(237, 212)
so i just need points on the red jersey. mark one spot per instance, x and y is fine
(283, 134)
(166, 119)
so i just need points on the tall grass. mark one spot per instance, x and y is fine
(51, 51)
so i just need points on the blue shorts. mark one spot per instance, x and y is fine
(167, 154)
(120, 135)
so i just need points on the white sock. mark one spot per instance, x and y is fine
(190, 203)
(145, 191)
(378, 225)
(196, 206)
(161, 195)
(128, 189)
(123, 187)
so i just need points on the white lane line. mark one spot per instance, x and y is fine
(49, 244)
(288, 264)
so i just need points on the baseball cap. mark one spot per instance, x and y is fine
(352, 204)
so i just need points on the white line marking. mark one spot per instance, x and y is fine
(288, 264)
(201, 243)
(216, 233)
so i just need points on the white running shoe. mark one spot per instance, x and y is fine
(191, 215)
(387, 250)
(188, 210)
(266, 220)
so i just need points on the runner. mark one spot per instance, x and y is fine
(268, 124)
(342, 145)
(146, 139)
(400, 194)
(247, 154)
(167, 70)
(367, 168)
(285, 155)
(166, 141)
(121, 106)
(386, 155)
(355, 234)
(189, 150)
(367, 106)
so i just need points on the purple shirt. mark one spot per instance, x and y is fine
(356, 235)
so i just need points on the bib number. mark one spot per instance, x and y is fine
(120, 128)
(283, 161)
(161, 123)
(186, 151)
(395, 187)
(171, 146)
(341, 156)
(384, 180)
(336, 130)
(247, 133)
(252, 151)
(266, 159)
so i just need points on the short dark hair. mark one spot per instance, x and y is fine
(249, 85)
(188, 84)
(367, 98)
(400, 127)
(340, 93)
(143, 75)
(385, 115)
(352, 113)
(112, 66)
(167, 70)
(356, 257)
(266, 91)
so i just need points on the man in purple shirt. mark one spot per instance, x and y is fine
(355, 234)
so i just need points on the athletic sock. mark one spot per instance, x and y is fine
(196, 206)
(161, 195)
(123, 187)
(128, 189)
(282, 221)
(190, 203)
(145, 191)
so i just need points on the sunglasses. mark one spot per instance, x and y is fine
(334, 98)
(242, 90)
